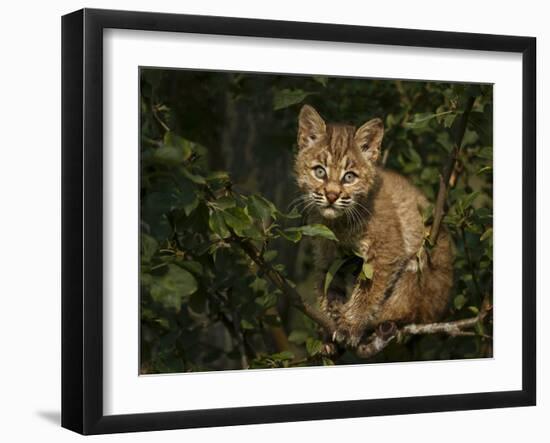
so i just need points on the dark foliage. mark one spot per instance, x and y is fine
(216, 166)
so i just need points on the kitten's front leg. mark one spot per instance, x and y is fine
(360, 312)
(332, 304)
(354, 318)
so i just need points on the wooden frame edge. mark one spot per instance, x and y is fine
(82, 360)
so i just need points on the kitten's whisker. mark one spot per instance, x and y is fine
(297, 202)
(359, 215)
(350, 218)
(356, 218)
(307, 209)
(363, 207)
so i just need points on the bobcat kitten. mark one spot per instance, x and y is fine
(376, 213)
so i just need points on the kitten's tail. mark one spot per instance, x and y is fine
(437, 280)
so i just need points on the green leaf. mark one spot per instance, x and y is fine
(267, 300)
(258, 285)
(473, 309)
(237, 219)
(322, 79)
(173, 287)
(298, 337)
(217, 176)
(190, 205)
(291, 234)
(187, 197)
(430, 175)
(420, 121)
(195, 178)
(217, 225)
(223, 203)
(287, 97)
(283, 355)
(459, 301)
(444, 139)
(176, 149)
(314, 230)
(486, 153)
(245, 324)
(487, 234)
(148, 247)
(260, 208)
(415, 157)
(485, 169)
(168, 155)
(192, 266)
(467, 201)
(367, 271)
(332, 271)
(449, 120)
(293, 214)
(270, 255)
(313, 346)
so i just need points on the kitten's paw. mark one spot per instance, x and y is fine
(386, 329)
(339, 336)
(355, 338)
(334, 303)
(348, 333)
(329, 349)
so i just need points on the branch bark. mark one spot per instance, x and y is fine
(282, 284)
(380, 340)
(444, 179)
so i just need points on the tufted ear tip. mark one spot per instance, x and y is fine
(369, 138)
(306, 108)
(377, 122)
(311, 126)
(309, 114)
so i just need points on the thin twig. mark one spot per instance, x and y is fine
(378, 341)
(439, 209)
(282, 283)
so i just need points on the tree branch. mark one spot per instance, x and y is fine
(444, 179)
(380, 339)
(282, 284)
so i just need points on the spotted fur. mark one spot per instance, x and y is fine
(373, 211)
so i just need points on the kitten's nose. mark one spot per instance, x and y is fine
(332, 196)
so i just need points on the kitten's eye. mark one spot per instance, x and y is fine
(349, 177)
(319, 172)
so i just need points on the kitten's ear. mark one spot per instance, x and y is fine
(311, 127)
(369, 138)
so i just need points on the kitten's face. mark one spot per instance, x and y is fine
(335, 165)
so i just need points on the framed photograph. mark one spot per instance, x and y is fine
(269, 221)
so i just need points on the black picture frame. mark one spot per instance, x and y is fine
(82, 216)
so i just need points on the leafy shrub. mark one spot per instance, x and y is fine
(216, 173)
